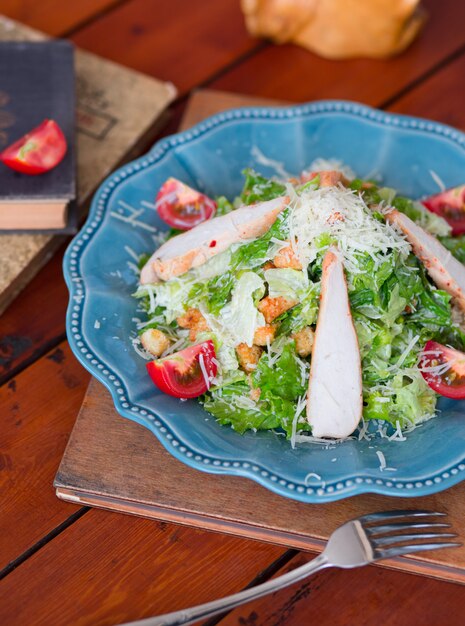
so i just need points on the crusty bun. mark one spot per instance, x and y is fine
(338, 29)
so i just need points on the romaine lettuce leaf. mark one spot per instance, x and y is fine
(456, 245)
(240, 316)
(286, 377)
(257, 188)
(287, 282)
(407, 399)
(233, 405)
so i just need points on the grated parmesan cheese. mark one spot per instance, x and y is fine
(301, 405)
(311, 475)
(342, 214)
(320, 165)
(439, 182)
(382, 463)
(382, 460)
(203, 369)
(277, 166)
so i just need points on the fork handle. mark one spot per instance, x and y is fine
(202, 611)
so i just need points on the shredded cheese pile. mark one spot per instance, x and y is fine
(343, 214)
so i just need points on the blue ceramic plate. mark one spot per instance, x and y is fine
(210, 157)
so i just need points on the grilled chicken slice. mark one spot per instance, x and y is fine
(198, 245)
(334, 400)
(444, 269)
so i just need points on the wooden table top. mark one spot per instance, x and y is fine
(63, 564)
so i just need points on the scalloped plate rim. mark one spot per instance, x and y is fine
(348, 486)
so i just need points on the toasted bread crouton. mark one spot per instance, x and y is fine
(287, 257)
(269, 265)
(154, 341)
(194, 321)
(192, 318)
(248, 356)
(273, 307)
(304, 341)
(264, 335)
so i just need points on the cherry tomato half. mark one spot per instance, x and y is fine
(448, 381)
(38, 151)
(181, 374)
(449, 204)
(181, 206)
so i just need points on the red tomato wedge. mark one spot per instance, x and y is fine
(449, 204)
(38, 151)
(443, 368)
(185, 374)
(182, 207)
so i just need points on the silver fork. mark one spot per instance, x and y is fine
(358, 542)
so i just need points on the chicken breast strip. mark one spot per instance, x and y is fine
(198, 245)
(334, 400)
(444, 269)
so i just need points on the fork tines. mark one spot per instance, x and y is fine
(406, 536)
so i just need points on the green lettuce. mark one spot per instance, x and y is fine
(240, 315)
(456, 245)
(257, 188)
(286, 377)
(287, 282)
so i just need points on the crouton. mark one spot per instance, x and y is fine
(269, 265)
(287, 257)
(304, 341)
(192, 318)
(248, 356)
(154, 341)
(264, 335)
(273, 307)
(194, 321)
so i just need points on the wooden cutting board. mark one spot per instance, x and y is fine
(113, 463)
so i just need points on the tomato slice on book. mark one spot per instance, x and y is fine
(449, 204)
(185, 374)
(443, 368)
(38, 151)
(182, 207)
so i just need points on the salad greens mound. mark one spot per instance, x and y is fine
(258, 302)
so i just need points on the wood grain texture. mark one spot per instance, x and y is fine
(36, 318)
(440, 98)
(291, 73)
(54, 17)
(108, 568)
(184, 42)
(113, 463)
(38, 409)
(367, 596)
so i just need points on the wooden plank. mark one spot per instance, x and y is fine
(55, 17)
(368, 596)
(292, 73)
(36, 319)
(184, 42)
(440, 98)
(113, 463)
(109, 568)
(38, 409)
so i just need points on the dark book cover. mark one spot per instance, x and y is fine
(36, 83)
